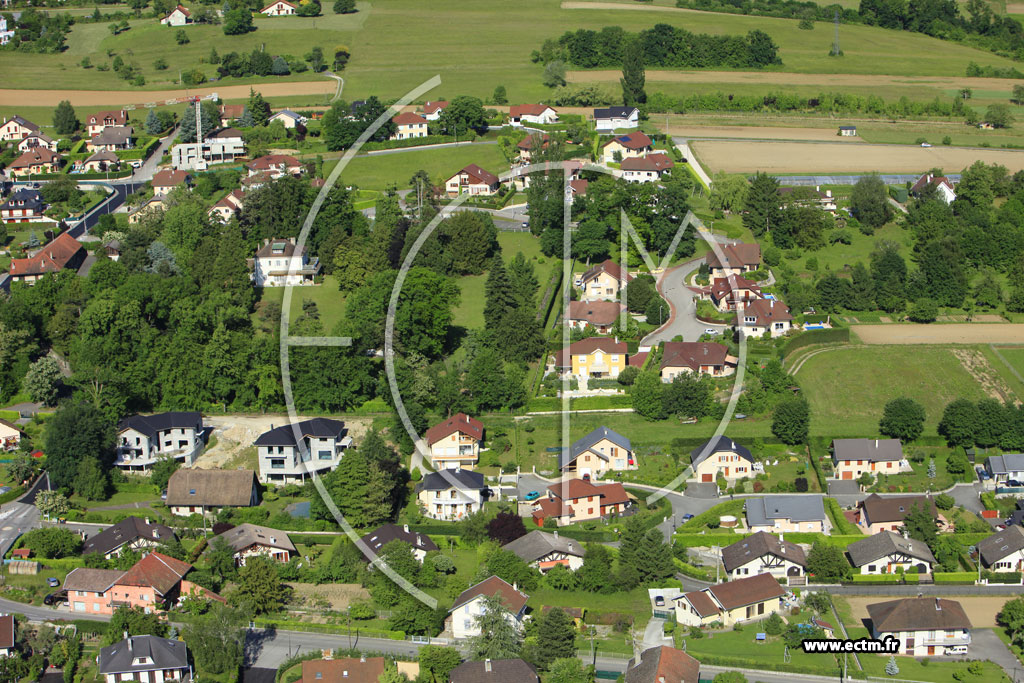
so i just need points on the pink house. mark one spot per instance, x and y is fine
(154, 583)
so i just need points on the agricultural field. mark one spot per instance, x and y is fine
(847, 387)
(1015, 357)
(835, 157)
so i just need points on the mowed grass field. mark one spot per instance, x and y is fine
(473, 45)
(470, 311)
(1015, 357)
(381, 171)
(847, 388)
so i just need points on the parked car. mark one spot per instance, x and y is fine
(659, 600)
(687, 517)
(532, 495)
(1013, 483)
(926, 144)
(526, 224)
(53, 582)
(56, 598)
(712, 330)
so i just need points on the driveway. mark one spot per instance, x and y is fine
(683, 321)
(985, 644)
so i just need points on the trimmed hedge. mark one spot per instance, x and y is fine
(1004, 577)
(701, 573)
(315, 539)
(842, 525)
(287, 625)
(840, 335)
(742, 663)
(965, 578)
(693, 540)
(13, 494)
(876, 579)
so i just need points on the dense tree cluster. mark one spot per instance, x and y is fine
(662, 46)
(986, 424)
(43, 32)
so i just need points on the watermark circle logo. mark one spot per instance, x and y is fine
(523, 172)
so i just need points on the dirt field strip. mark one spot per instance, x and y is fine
(984, 374)
(96, 98)
(980, 610)
(831, 158)
(965, 333)
(774, 77)
(339, 595)
(759, 133)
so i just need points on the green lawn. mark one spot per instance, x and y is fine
(329, 301)
(381, 171)
(847, 388)
(1015, 356)
(837, 256)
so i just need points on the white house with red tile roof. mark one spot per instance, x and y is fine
(107, 119)
(766, 314)
(579, 500)
(455, 442)
(432, 110)
(65, 252)
(16, 128)
(647, 169)
(519, 114)
(472, 180)
(409, 125)
(179, 16)
(227, 207)
(167, 179)
(625, 146)
(35, 161)
(37, 139)
(469, 606)
(278, 165)
(943, 184)
(281, 8)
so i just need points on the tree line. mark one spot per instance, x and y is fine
(663, 45)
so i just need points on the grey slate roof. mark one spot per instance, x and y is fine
(1000, 544)
(885, 543)
(663, 665)
(724, 443)
(127, 530)
(871, 450)
(461, 479)
(613, 112)
(587, 442)
(1007, 462)
(150, 425)
(762, 511)
(318, 427)
(164, 653)
(536, 544)
(246, 535)
(756, 545)
(494, 671)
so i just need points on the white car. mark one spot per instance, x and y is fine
(711, 330)
(926, 144)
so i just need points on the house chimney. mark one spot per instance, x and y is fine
(876, 443)
(515, 585)
(419, 540)
(126, 635)
(130, 648)
(487, 665)
(362, 658)
(938, 607)
(782, 536)
(405, 528)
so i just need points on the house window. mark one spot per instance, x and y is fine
(277, 464)
(325, 455)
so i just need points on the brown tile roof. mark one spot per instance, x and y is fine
(34, 157)
(747, 591)
(269, 161)
(595, 312)
(7, 630)
(480, 175)
(117, 117)
(526, 143)
(528, 109)
(736, 255)
(637, 359)
(168, 178)
(182, 9)
(573, 489)
(579, 186)
(756, 545)
(918, 614)
(701, 602)
(283, 2)
(767, 311)
(929, 179)
(91, 580)
(513, 599)
(431, 107)
(156, 570)
(693, 355)
(588, 346)
(459, 422)
(895, 508)
(53, 257)
(363, 670)
(232, 111)
(608, 266)
(494, 671)
(212, 488)
(721, 287)
(663, 665)
(283, 248)
(651, 162)
(231, 132)
(407, 118)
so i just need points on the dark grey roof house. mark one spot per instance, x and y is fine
(787, 513)
(139, 658)
(135, 533)
(384, 534)
(587, 445)
(722, 445)
(494, 671)
(887, 548)
(542, 549)
(760, 545)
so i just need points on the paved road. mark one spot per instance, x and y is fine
(20, 516)
(985, 644)
(681, 298)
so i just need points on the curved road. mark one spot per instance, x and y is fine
(683, 320)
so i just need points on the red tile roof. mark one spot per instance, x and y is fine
(7, 630)
(579, 186)
(54, 257)
(407, 118)
(610, 267)
(459, 422)
(513, 599)
(168, 178)
(721, 286)
(766, 311)
(631, 141)
(736, 255)
(272, 161)
(651, 162)
(588, 346)
(526, 144)
(232, 111)
(34, 157)
(663, 665)
(156, 570)
(480, 175)
(527, 110)
(573, 489)
(363, 670)
(118, 117)
(431, 107)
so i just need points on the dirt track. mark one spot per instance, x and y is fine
(966, 333)
(836, 157)
(98, 98)
(780, 78)
(759, 133)
(980, 610)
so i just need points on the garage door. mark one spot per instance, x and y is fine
(847, 474)
(706, 478)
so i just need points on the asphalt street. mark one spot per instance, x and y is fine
(684, 308)
(19, 516)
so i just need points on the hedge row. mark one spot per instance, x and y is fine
(693, 540)
(876, 579)
(13, 494)
(287, 625)
(1004, 577)
(842, 525)
(835, 335)
(742, 663)
(701, 573)
(955, 577)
